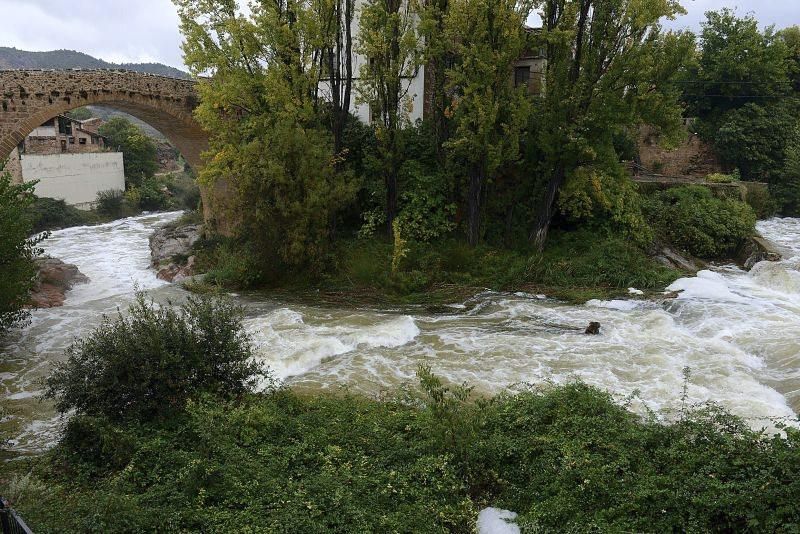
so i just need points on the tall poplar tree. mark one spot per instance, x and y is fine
(392, 49)
(609, 68)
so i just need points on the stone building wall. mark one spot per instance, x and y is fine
(14, 167)
(693, 158)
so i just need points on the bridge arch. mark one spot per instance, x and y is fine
(28, 98)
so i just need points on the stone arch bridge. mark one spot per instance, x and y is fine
(28, 98)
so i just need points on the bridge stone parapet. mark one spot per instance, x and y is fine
(28, 98)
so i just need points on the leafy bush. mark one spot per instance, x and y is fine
(52, 214)
(110, 202)
(231, 265)
(692, 219)
(147, 363)
(567, 458)
(719, 178)
(17, 250)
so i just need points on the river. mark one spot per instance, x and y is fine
(736, 331)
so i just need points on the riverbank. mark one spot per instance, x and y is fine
(575, 267)
(424, 458)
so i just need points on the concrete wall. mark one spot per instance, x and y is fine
(76, 178)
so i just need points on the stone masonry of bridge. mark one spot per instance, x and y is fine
(28, 98)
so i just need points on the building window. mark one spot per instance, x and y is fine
(64, 126)
(63, 145)
(522, 76)
(72, 140)
(82, 141)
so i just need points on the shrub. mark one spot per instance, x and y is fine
(152, 196)
(147, 363)
(110, 202)
(17, 250)
(720, 178)
(692, 219)
(52, 214)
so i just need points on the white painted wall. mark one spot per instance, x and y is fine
(75, 178)
(414, 87)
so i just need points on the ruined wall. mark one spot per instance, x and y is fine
(693, 158)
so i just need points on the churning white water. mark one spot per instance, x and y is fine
(116, 258)
(736, 331)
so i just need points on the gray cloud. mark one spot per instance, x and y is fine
(113, 30)
(147, 30)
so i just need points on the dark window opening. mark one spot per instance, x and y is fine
(522, 76)
(64, 126)
(63, 145)
(82, 141)
(72, 140)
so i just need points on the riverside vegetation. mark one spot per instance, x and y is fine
(167, 435)
(496, 187)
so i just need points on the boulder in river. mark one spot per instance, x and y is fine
(53, 280)
(593, 329)
(170, 241)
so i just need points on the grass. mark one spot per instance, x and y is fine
(575, 266)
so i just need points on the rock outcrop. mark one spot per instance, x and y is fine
(672, 259)
(756, 250)
(174, 272)
(53, 280)
(170, 251)
(170, 241)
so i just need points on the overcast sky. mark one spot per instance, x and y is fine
(147, 30)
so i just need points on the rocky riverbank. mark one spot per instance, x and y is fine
(171, 249)
(53, 280)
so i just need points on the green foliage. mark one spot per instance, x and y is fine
(604, 195)
(152, 196)
(567, 458)
(692, 219)
(739, 64)
(110, 202)
(720, 178)
(148, 363)
(17, 250)
(591, 259)
(757, 137)
(489, 113)
(426, 213)
(267, 140)
(80, 114)
(230, 264)
(52, 214)
(595, 92)
(139, 151)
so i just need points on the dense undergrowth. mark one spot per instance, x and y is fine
(567, 458)
(576, 265)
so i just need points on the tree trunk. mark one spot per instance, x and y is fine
(474, 204)
(391, 199)
(539, 234)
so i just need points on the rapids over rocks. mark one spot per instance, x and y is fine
(736, 331)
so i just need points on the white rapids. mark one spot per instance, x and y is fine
(735, 330)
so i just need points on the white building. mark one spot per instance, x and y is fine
(74, 178)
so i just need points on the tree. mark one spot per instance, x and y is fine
(609, 69)
(791, 40)
(139, 152)
(17, 250)
(489, 112)
(389, 40)
(80, 114)
(267, 140)
(738, 64)
(336, 18)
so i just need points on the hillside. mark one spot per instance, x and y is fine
(12, 58)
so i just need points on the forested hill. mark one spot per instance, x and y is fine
(12, 58)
